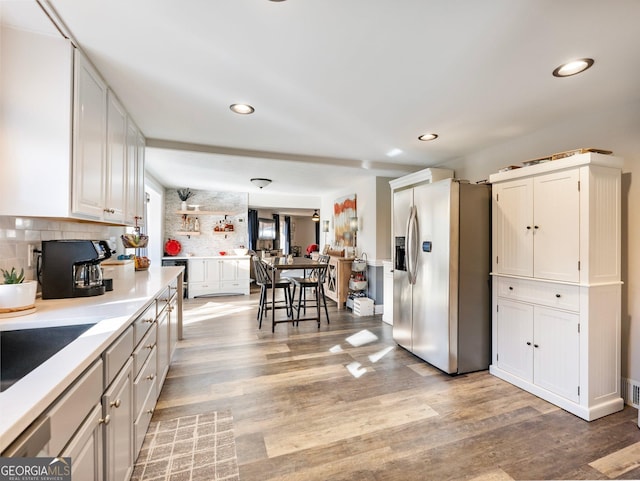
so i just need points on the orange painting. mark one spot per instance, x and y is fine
(344, 209)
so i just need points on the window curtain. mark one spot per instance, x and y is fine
(276, 242)
(252, 222)
(287, 235)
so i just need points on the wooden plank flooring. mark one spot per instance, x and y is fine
(309, 405)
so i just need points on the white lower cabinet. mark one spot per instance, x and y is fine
(117, 404)
(219, 276)
(558, 342)
(162, 363)
(86, 448)
(540, 346)
(101, 419)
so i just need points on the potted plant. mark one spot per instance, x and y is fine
(16, 294)
(184, 194)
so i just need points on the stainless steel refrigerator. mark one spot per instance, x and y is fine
(441, 281)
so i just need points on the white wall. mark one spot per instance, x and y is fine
(617, 129)
(373, 201)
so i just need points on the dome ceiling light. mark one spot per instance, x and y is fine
(260, 182)
(243, 109)
(572, 68)
(427, 137)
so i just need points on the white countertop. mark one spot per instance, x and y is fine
(186, 257)
(112, 312)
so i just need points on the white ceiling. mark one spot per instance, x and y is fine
(337, 84)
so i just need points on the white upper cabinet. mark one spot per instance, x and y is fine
(135, 195)
(537, 221)
(89, 141)
(64, 135)
(117, 175)
(559, 223)
(513, 215)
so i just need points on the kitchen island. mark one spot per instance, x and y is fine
(142, 310)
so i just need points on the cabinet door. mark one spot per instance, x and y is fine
(213, 272)
(557, 226)
(243, 269)
(514, 324)
(229, 270)
(513, 212)
(196, 270)
(90, 113)
(163, 348)
(86, 449)
(132, 174)
(173, 324)
(140, 196)
(117, 403)
(116, 166)
(556, 352)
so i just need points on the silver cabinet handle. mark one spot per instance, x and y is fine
(105, 420)
(115, 404)
(150, 377)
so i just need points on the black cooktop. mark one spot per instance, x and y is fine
(23, 350)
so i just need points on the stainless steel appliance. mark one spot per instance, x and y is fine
(441, 282)
(71, 268)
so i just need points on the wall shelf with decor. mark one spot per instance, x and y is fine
(187, 233)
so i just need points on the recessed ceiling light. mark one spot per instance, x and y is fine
(242, 109)
(426, 137)
(572, 68)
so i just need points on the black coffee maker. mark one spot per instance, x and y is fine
(71, 268)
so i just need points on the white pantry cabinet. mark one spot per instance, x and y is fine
(67, 158)
(556, 282)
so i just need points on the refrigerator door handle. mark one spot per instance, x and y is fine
(407, 247)
(412, 247)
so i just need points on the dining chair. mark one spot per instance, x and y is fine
(264, 280)
(314, 280)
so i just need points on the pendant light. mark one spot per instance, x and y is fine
(315, 217)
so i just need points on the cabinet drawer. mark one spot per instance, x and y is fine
(202, 289)
(143, 349)
(141, 423)
(162, 301)
(116, 356)
(142, 324)
(70, 411)
(145, 381)
(560, 296)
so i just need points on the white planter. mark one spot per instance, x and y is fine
(17, 297)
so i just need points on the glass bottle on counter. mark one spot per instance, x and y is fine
(196, 225)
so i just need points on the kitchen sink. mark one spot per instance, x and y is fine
(23, 350)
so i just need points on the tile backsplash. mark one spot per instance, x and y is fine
(17, 234)
(221, 206)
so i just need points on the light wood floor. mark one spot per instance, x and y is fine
(309, 405)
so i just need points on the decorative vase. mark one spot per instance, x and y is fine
(18, 298)
(183, 205)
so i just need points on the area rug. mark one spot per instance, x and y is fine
(189, 448)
